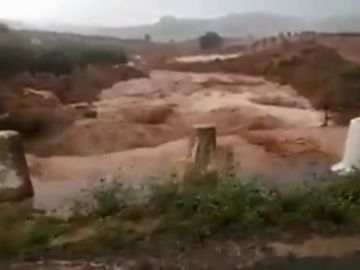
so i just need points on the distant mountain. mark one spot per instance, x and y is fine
(233, 25)
(350, 23)
(15, 24)
(236, 25)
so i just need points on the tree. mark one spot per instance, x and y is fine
(327, 99)
(52, 61)
(14, 59)
(147, 38)
(326, 103)
(211, 40)
(4, 28)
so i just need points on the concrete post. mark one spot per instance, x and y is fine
(351, 159)
(203, 146)
(15, 183)
(202, 151)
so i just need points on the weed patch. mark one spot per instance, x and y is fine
(123, 216)
(241, 208)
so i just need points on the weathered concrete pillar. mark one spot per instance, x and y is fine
(202, 150)
(203, 145)
(15, 183)
(351, 158)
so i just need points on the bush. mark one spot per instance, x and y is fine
(14, 59)
(235, 206)
(55, 62)
(62, 58)
(4, 28)
(239, 207)
(186, 212)
(108, 201)
(85, 55)
(210, 40)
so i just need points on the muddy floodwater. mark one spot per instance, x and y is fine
(58, 197)
(143, 128)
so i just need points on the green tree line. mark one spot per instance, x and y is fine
(18, 56)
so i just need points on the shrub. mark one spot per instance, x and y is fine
(55, 62)
(210, 40)
(4, 28)
(59, 59)
(233, 206)
(239, 207)
(14, 59)
(41, 231)
(109, 200)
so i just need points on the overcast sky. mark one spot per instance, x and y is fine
(134, 12)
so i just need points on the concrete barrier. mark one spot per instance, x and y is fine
(198, 169)
(351, 158)
(204, 145)
(15, 183)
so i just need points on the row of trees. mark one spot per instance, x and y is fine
(18, 54)
(15, 59)
(210, 40)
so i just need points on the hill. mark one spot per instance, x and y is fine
(350, 23)
(234, 25)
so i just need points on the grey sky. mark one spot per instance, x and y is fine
(134, 12)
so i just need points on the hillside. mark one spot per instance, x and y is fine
(233, 25)
(169, 27)
(349, 23)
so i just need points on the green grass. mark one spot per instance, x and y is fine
(21, 234)
(195, 213)
(108, 200)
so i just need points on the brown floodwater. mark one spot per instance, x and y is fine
(58, 197)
